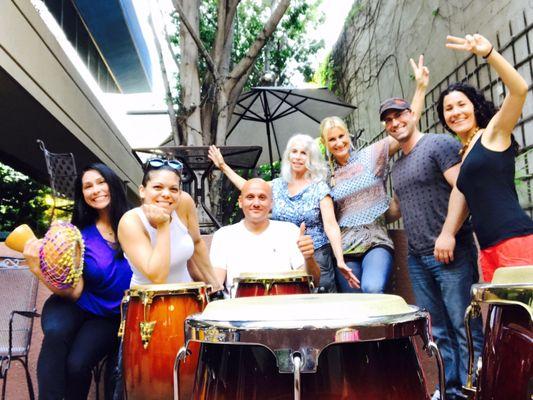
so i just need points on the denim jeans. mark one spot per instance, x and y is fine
(444, 291)
(373, 270)
(74, 342)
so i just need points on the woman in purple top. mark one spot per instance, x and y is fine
(80, 324)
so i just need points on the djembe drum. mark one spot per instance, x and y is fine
(506, 370)
(328, 346)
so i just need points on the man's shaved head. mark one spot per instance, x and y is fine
(256, 200)
(256, 182)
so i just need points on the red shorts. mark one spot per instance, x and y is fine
(511, 252)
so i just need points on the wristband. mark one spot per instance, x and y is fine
(489, 53)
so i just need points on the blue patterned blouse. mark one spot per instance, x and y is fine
(302, 207)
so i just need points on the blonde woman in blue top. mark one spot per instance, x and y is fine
(301, 195)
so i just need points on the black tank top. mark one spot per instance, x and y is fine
(486, 179)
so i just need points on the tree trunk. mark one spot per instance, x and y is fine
(189, 80)
(176, 137)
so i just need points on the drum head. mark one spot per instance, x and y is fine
(272, 276)
(300, 310)
(513, 275)
(170, 288)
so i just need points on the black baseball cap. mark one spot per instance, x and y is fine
(395, 103)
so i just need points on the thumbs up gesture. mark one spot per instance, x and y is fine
(305, 243)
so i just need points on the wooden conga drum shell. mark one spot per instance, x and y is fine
(273, 284)
(507, 358)
(352, 353)
(363, 371)
(507, 364)
(148, 367)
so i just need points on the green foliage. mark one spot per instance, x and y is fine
(355, 11)
(265, 172)
(288, 45)
(22, 201)
(325, 74)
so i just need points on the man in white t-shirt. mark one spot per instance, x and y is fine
(257, 244)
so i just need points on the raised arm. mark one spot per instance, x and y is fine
(457, 213)
(215, 155)
(421, 74)
(200, 257)
(501, 126)
(152, 261)
(333, 232)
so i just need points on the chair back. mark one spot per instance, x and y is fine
(61, 169)
(18, 292)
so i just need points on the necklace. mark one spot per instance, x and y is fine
(467, 143)
(107, 233)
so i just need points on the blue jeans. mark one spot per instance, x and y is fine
(373, 270)
(444, 291)
(74, 342)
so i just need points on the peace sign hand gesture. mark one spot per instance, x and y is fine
(475, 44)
(420, 71)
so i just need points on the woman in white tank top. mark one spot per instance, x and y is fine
(160, 237)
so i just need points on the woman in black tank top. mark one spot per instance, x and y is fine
(486, 179)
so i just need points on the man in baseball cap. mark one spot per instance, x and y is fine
(442, 255)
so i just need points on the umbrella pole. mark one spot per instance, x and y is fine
(270, 151)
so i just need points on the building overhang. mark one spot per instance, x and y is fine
(114, 26)
(42, 96)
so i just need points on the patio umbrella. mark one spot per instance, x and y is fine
(269, 116)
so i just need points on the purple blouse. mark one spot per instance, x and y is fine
(105, 275)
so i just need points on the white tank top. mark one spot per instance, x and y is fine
(181, 249)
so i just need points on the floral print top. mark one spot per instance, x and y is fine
(302, 207)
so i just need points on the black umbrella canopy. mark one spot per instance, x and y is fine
(269, 116)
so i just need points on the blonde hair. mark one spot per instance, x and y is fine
(327, 124)
(330, 123)
(315, 164)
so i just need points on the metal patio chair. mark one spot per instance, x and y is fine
(18, 294)
(61, 169)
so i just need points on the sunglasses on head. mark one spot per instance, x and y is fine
(160, 162)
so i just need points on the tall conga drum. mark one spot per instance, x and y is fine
(506, 368)
(328, 346)
(271, 284)
(153, 334)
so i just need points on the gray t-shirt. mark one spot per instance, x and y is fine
(418, 181)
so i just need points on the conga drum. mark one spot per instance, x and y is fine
(327, 347)
(152, 335)
(276, 283)
(506, 370)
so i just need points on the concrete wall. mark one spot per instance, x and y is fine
(373, 51)
(371, 58)
(44, 96)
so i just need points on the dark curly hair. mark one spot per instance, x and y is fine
(84, 215)
(484, 109)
